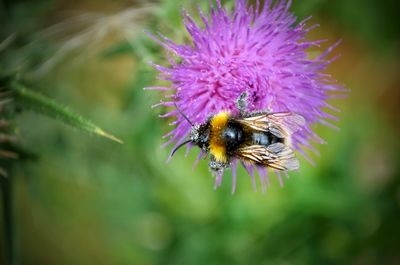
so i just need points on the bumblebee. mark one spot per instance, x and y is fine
(259, 138)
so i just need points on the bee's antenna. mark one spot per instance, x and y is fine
(179, 146)
(186, 118)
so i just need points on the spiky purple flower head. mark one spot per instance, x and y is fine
(261, 51)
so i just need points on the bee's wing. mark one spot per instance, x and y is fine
(277, 156)
(281, 124)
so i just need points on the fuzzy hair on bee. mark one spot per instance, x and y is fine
(259, 138)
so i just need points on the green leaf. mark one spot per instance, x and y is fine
(39, 103)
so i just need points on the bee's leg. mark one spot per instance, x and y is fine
(216, 167)
(241, 104)
(257, 113)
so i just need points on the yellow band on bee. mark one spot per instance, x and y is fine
(217, 147)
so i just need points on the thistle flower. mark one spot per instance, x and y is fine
(260, 51)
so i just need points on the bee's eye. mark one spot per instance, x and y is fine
(205, 135)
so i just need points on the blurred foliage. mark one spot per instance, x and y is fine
(91, 201)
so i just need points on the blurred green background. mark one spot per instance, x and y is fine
(87, 200)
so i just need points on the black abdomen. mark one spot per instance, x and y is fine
(265, 138)
(235, 135)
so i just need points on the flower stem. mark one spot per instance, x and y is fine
(39, 103)
(8, 222)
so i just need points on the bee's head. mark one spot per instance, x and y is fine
(199, 135)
